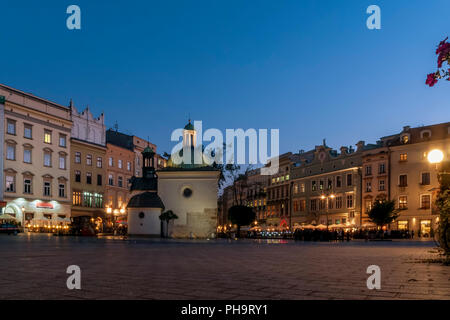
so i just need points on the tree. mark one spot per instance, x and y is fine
(167, 216)
(443, 52)
(241, 216)
(383, 212)
(443, 205)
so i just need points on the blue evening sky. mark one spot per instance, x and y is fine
(308, 67)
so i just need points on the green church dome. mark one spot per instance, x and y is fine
(189, 126)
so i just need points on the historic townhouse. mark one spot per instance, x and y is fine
(88, 166)
(138, 147)
(2, 138)
(36, 172)
(120, 158)
(414, 182)
(375, 176)
(256, 194)
(226, 201)
(327, 187)
(279, 193)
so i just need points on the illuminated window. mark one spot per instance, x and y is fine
(402, 202)
(402, 225)
(119, 164)
(403, 157)
(368, 205)
(76, 198)
(47, 136)
(302, 205)
(405, 139)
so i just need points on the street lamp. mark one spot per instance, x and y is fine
(323, 197)
(435, 156)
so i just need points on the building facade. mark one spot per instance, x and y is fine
(88, 166)
(36, 174)
(326, 189)
(2, 138)
(278, 194)
(120, 168)
(375, 177)
(413, 179)
(256, 194)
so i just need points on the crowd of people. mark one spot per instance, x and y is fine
(322, 235)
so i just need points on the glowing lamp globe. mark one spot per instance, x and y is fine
(435, 156)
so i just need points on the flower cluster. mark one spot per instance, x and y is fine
(443, 52)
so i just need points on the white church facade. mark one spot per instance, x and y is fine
(188, 190)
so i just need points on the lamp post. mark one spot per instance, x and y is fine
(323, 197)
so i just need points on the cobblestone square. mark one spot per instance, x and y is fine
(34, 267)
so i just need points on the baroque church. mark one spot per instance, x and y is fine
(186, 188)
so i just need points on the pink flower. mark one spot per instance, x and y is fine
(442, 45)
(431, 79)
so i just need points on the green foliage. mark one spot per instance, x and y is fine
(168, 215)
(443, 205)
(383, 212)
(241, 215)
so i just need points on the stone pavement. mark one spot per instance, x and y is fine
(34, 267)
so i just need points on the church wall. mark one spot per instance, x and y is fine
(197, 213)
(149, 225)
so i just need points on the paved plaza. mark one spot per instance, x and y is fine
(34, 267)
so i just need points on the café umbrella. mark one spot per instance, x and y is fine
(6, 217)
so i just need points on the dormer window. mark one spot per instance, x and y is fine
(404, 138)
(425, 134)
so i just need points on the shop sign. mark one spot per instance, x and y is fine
(44, 205)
